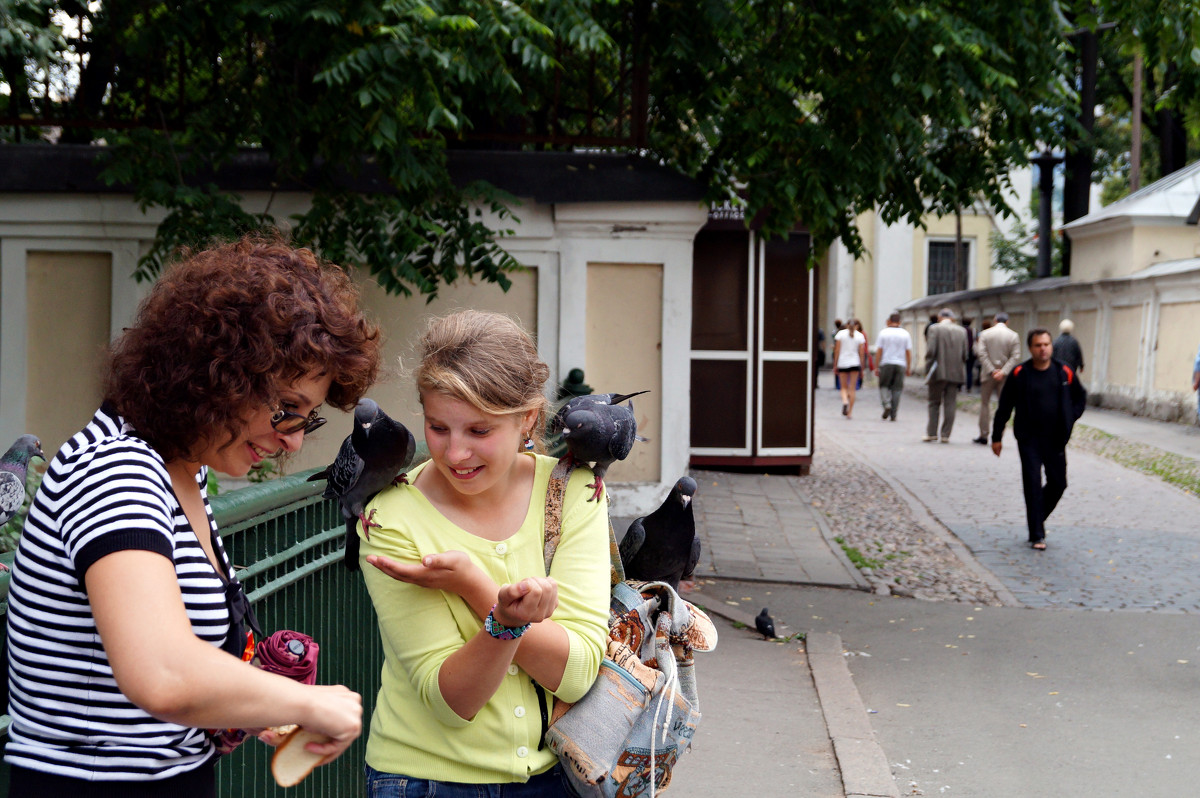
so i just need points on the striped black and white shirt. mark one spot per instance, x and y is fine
(106, 490)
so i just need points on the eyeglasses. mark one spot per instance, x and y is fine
(287, 422)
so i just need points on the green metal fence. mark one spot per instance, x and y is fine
(287, 544)
(286, 541)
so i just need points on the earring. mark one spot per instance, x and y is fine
(528, 444)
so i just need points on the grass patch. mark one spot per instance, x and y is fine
(1174, 469)
(856, 557)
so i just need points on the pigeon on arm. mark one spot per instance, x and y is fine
(14, 467)
(663, 547)
(374, 455)
(598, 429)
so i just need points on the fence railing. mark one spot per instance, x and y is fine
(286, 542)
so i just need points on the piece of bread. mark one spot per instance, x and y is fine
(292, 762)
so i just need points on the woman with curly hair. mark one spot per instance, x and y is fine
(126, 622)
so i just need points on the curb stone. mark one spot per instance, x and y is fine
(865, 770)
(863, 765)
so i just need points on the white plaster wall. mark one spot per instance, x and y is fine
(558, 242)
(893, 263)
(1139, 336)
(635, 233)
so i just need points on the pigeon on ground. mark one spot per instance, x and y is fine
(372, 457)
(765, 624)
(598, 429)
(663, 547)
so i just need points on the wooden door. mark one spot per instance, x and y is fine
(752, 358)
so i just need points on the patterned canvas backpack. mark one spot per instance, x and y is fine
(624, 737)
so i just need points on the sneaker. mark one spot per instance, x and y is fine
(980, 439)
(945, 440)
(928, 438)
(886, 413)
(893, 415)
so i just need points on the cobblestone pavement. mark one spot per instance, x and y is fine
(1119, 539)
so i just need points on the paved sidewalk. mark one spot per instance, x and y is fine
(1118, 539)
(957, 699)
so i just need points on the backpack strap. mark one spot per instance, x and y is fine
(552, 529)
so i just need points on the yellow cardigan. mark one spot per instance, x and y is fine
(413, 731)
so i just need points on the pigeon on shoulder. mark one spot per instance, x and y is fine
(765, 624)
(14, 467)
(598, 429)
(662, 546)
(374, 455)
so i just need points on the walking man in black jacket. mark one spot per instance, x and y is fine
(1047, 397)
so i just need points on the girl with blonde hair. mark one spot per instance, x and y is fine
(475, 632)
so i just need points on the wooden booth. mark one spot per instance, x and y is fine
(753, 347)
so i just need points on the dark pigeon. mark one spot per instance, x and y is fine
(598, 429)
(14, 467)
(765, 624)
(663, 547)
(374, 455)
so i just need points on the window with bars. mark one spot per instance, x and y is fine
(944, 275)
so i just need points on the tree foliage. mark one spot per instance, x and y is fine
(806, 113)
(1166, 34)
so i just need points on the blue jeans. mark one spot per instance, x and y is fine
(551, 784)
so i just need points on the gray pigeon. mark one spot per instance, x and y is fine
(663, 547)
(598, 429)
(765, 624)
(13, 468)
(374, 455)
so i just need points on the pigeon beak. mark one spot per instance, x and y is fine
(686, 500)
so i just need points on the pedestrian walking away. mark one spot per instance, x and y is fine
(893, 358)
(1048, 398)
(1066, 347)
(946, 370)
(999, 352)
(849, 359)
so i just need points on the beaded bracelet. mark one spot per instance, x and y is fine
(499, 630)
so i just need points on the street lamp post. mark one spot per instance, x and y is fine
(1045, 164)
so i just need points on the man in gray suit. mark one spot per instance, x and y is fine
(999, 351)
(946, 365)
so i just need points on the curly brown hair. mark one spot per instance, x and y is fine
(224, 329)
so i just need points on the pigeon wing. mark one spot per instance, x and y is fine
(631, 544)
(343, 474)
(12, 495)
(689, 573)
(624, 430)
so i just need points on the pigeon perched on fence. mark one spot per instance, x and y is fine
(374, 455)
(598, 429)
(765, 624)
(14, 466)
(662, 546)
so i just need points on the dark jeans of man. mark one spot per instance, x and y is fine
(1040, 500)
(891, 386)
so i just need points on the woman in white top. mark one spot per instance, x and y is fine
(849, 354)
